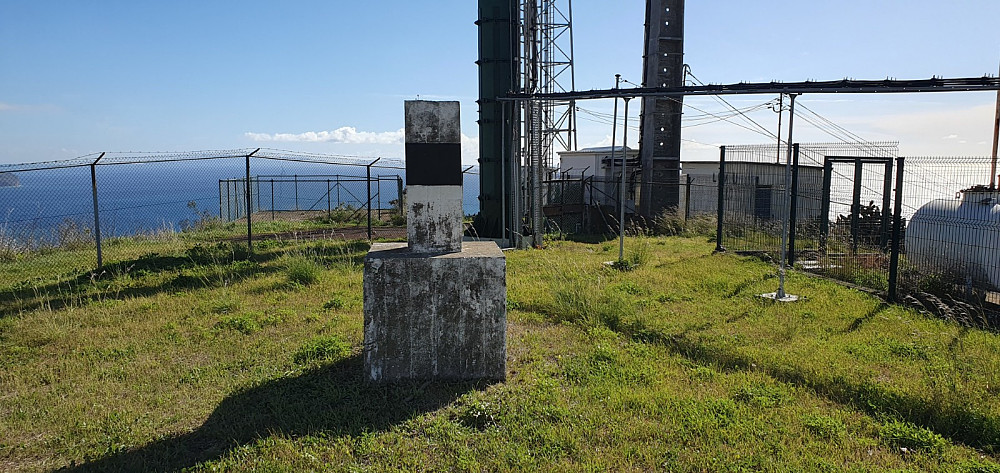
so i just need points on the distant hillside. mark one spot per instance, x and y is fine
(9, 180)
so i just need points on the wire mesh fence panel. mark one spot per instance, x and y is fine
(45, 208)
(836, 199)
(754, 199)
(856, 237)
(952, 231)
(118, 207)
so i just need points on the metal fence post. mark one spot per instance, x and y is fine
(97, 212)
(399, 195)
(687, 198)
(296, 177)
(824, 212)
(249, 207)
(897, 223)
(886, 216)
(368, 181)
(721, 207)
(220, 200)
(329, 216)
(793, 204)
(272, 199)
(859, 169)
(258, 194)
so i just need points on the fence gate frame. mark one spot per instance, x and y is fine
(890, 223)
(859, 163)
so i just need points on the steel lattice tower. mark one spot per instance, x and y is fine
(524, 46)
(546, 67)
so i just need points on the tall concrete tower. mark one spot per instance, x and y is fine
(660, 132)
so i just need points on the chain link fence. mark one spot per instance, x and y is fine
(110, 205)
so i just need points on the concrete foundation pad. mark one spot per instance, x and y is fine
(438, 316)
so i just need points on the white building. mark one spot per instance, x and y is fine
(604, 167)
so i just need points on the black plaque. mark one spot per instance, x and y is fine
(433, 164)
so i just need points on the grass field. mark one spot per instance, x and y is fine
(185, 355)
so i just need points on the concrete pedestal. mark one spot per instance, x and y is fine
(440, 316)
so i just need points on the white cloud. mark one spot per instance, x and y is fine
(470, 149)
(13, 107)
(350, 135)
(950, 137)
(344, 134)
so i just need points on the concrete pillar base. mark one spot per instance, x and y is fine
(438, 316)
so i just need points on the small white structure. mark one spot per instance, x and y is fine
(958, 235)
(606, 171)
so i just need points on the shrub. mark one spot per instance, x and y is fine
(302, 270)
(913, 437)
(245, 324)
(321, 349)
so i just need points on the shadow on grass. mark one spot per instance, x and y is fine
(948, 417)
(91, 286)
(858, 322)
(334, 400)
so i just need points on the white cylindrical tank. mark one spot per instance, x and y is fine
(958, 236)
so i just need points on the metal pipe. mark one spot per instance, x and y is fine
(368, 181)
(781, 104)
(897, 218)
(856, 203)
(720, 204)
(793, 205)
(687, 199)
(97, 212)
(824, 213)
(614, 135)
(621, 214)
(249, 197)
(788, 184)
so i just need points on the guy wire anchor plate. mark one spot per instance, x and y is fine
(774, 297)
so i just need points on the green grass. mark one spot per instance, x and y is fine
(182, 354)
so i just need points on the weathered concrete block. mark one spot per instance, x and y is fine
(435, 316)
(434, 218)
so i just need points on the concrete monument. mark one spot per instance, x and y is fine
(435, 307)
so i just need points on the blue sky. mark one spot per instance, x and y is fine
(331, 76)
